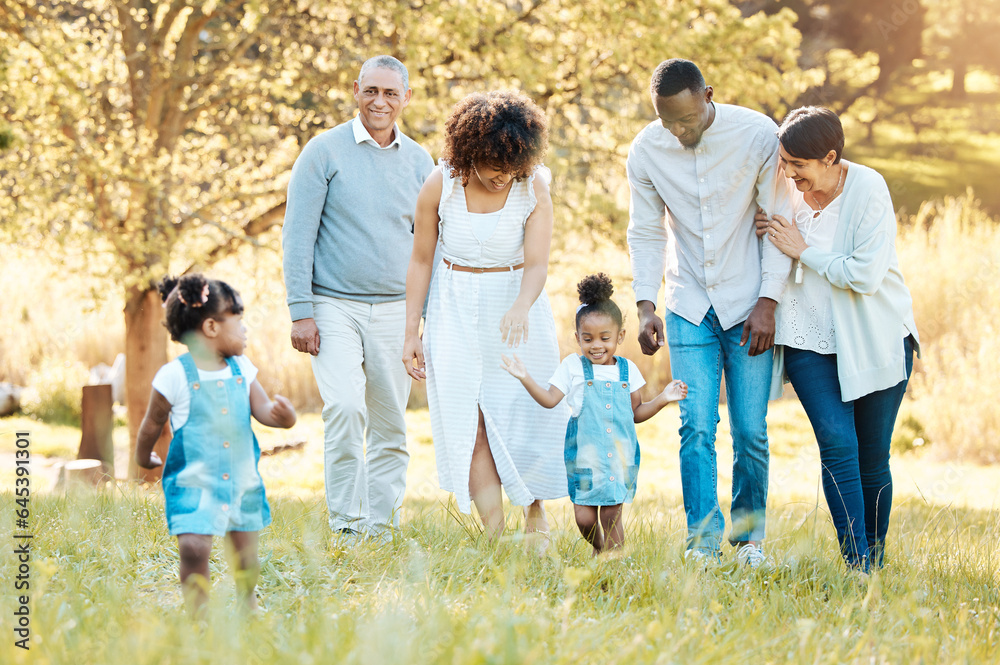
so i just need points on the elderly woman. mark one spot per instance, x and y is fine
(488, 203)
(844, 325)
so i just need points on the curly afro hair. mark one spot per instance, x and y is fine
(595, 298)
(191, 299)
(504, 130)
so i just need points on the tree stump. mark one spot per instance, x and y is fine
(97, 424)
(81, 474)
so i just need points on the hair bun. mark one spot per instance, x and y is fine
(166, 287)
(595, 288)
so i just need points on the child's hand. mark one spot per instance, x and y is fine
(675, 391)
(282, 412)
(514, 367)
(151, 463)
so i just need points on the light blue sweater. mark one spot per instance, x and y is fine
(348, 230)
(872, 308)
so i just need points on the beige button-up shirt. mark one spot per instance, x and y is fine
(691, 216)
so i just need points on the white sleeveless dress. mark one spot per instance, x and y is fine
(462, 348)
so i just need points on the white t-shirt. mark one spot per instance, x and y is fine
(171, 382)
(804, 318)
(569, 379)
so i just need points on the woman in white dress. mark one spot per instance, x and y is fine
(488, 203)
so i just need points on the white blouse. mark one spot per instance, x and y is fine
(804, 318)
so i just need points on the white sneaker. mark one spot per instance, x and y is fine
(702, 558)
(751, 555)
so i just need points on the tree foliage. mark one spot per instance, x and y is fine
(161, 132)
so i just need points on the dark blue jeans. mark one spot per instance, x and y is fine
(853, 440)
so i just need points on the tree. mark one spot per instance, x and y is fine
(962, 34)
(161, 132)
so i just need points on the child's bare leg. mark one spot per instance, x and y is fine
(484, 485)
(536, 527)
(195, 550)
(589, 525)
(614, 528)
(242, 551)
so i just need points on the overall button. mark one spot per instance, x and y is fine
(239, 379)
(225, 444)
(607, 385)
(219, 384)
(608, 430)
(225, 506)
(225, 476)
(612, 478)
(196, 385)
(608, 406)
(590, 383)
(609, 454)
(225, 411)
(624, 385)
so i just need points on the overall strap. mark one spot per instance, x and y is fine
(233, 366)
(588, 368)
(190, 369)
(622, 369)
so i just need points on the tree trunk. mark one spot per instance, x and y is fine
(958, 79)
(145, 353)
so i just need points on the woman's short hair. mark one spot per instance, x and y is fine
(504, 130)
(811, 132)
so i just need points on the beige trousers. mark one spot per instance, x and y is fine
(365, 388)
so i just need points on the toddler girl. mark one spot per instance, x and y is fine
(602, 452)
(210, 479)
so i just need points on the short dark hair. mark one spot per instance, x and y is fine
(191, 299)
(811, 132)
(595, 298)
(674, 76)
(505, 130)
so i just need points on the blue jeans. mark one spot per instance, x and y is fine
(853, 440)
(699, 356)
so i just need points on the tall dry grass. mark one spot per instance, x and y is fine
(949, 252)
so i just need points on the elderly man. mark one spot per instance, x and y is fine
(696, 176)
(347, 239)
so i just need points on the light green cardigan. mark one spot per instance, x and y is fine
(871, 304)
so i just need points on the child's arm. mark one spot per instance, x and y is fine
(156, 417)
(277, 413)
(643, 411)
(547, 398)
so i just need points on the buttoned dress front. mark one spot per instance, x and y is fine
(462, 347)
(602, 450)
(210, 478)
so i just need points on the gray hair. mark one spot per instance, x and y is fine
(387, 62)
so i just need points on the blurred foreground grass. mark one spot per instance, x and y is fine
(104, 586)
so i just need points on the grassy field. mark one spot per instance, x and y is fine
(104, 586)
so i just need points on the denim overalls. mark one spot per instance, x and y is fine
(602, 452)
(210, 478)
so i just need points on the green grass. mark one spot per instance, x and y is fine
(104, 586)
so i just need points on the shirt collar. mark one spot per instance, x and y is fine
(361, 134)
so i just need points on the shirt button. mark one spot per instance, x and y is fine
(701, 180)
(708, 236)
(711, 288)
(704, 207)
(225, 411)
(225, 506)
(225, 444)
(225, 476)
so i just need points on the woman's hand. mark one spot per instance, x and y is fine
(514, 367)
(413, 357)
(514, 326)
(786, 237)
